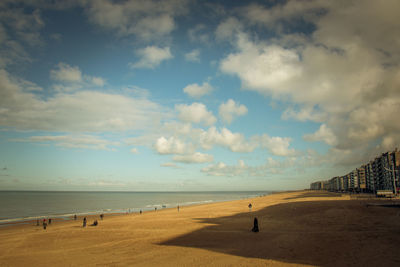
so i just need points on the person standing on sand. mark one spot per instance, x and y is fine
(178, 208)
(101, 216)
(75, 217)
(250, 206)
(44, 224)
(84, 222)
(49, 221)
(140, 211)
(255, 227)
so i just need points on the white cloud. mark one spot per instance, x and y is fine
(151, 57)
(83, 111)
(263, 68)
(278, 146)
(195, 90)
(236, 142)
(227, 29)
(228, 110)
(70, 78)
(98, 81)
(134, 150)
(147, 20)
(343, 75)
(322, 134)
(196, 157)
(66, 73)
(193, 56)
(195, 113)
(171, 145)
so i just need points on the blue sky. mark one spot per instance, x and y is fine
(194, 95)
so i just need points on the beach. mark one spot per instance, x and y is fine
(301, 228)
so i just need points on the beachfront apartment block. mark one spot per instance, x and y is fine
(380, 174)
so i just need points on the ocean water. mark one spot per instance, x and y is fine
(27, 205)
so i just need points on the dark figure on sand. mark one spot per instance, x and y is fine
(84, 222)
(49, 221)
(44, 224)
(101, 216)
(140, 211)
(95, 223)
(250, 206)
(178, 207)
(75, 217)
(255, 227)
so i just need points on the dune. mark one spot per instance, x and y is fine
(301, 228)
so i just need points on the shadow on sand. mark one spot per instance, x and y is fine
(316, 194)
(323, 233)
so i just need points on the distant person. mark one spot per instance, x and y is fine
(155, 208)
(95, 223)
(255, 227)
(49, 221)
(178, 208)
(101, 216)
(140, 211)
(44, 224)
(250, 206)
(84, 222)
(75, 217)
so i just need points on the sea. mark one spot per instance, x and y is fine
(20, 206)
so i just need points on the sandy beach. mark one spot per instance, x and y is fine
(300, 228)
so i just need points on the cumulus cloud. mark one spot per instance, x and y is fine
(195, 113)
(277, 145)
(66, 73)
(151, 57)
(196, 91)
(82, 111)
(344, 74)
(324, 133)
(196, 157)
(193, 56)
(228, 110)
(149, 20)
(171, 145)
(236, 142)
(70, 78)
(227, 29)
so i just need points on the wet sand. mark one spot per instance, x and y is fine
(296, 229)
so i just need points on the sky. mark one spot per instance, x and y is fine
(182, 95)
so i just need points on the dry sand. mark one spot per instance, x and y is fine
(296, 229)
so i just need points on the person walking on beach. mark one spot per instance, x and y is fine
(44, 224)
(49, 221)
(178, 208)
(84, 222)
(250, 206)
(140, 211)
(255, 227)
(101, 216)
(75, 217)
